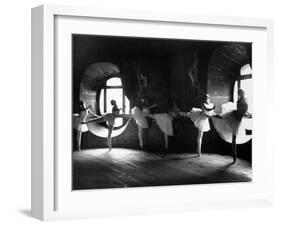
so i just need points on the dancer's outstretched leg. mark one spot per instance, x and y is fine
(100, 119)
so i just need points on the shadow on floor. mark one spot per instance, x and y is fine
(25, 212)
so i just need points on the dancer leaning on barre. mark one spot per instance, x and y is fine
(115, 112)
(233, 118)
(110, 119)
(200, 118)
(163, 120)
(165, 123)
(83, 115)
(140, 113)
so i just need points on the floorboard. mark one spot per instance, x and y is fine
(98, 168)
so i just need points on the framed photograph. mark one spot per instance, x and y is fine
(137, 112)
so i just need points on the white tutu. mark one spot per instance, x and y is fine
(199, 119)
(164, 121)
(232, 123)
(82, 127)
(139, 117)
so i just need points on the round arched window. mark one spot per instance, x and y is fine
(245, 82)
(113, 90)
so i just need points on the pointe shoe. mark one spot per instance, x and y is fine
(109, 146)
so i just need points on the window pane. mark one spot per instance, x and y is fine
(127, 105)
(247, 86)
(114, 94)
(235, 92)
(246, 70)
(114, 82)
(101, 102)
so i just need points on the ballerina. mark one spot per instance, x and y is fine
(163, 121)
(110, 121)
(139, 116)
(233, 119)
(200, 118)
(82, 127)
(109, 118)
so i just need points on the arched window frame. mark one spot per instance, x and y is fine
(243, 77)
(239, 80)
(105, 89)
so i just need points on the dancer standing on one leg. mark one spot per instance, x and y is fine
(200, 118)
(140, 113)
(234, 119)
(231, 120)
(82, 127)
(165, 123)
(242, 108)
(141, 121)
(110, 122)
(109, 118)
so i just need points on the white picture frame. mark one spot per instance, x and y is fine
(52, 197)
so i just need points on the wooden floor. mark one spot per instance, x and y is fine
(98, 168)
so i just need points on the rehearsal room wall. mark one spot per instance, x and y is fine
(224, 68)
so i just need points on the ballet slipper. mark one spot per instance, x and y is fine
(198, 153)
(234, 160)
(109, 146)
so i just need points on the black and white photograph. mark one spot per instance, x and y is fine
(158, 112)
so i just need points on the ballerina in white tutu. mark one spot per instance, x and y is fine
(165, 123)
(200, 118)
(81, 127)
(109, 118)
(139, 116)
(232, 117)
(163, 120)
